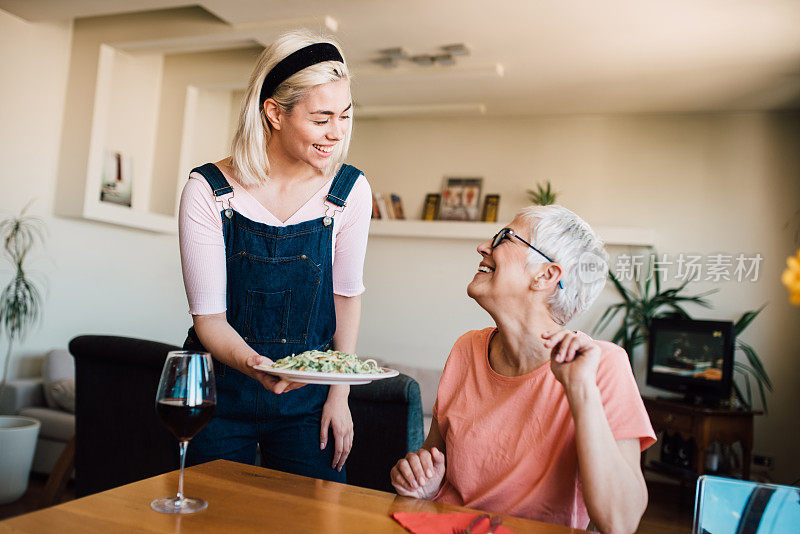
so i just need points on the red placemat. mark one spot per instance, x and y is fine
(425, 523)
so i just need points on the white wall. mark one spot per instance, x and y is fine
(705, 183)
(213, 108)
(34, 59)
(98, 278)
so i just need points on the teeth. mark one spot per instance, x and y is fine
(484, 269)
(326, 149)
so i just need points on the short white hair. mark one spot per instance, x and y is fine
(249, 146)
(570, 241)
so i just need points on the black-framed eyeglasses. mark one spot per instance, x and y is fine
(508, 233)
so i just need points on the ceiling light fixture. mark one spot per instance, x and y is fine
(386, 62)
(446, 60)
(398, 52)
(457, 49)
(423, 60)
(446, 56)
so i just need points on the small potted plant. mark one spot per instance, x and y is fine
(543, 195)
(20, 308)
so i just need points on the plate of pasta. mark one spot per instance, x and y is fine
(329, 367)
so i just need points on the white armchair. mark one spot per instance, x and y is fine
(49, 399)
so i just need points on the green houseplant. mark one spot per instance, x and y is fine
(20, 299)
(20, 308)
(753, 368)
(641, 305)
(646, 301)
(543, 195)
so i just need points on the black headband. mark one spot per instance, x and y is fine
(295, 62)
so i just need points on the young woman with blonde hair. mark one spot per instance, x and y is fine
(272, 246)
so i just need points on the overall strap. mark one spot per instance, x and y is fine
(219, 184)
(342, 184)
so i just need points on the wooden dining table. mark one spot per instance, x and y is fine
(242, 499)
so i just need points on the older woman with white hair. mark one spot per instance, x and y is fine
(273, 240)
(532, 419)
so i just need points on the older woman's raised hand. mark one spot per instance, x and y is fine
(419, 474)
(574, 357)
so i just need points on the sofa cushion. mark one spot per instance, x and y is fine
(63, 392)
(58, 364)
(56, 424)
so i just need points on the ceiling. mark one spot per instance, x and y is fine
(556, 56)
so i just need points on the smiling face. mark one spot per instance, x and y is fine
(501, 273)
(316, 126)
(504, 276)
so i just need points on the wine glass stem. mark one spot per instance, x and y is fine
(183, 445)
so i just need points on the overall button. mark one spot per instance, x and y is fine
(327, 221)
(302, 256)
(283, 340)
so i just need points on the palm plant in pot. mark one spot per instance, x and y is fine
(20, 309)
(646, 301)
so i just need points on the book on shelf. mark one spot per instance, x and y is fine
(376, 214)
(383, 210)
(397, 206)
(430, 210)
(490, 206)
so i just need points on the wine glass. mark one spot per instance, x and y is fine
(185, 402)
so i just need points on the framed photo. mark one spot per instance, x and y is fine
(490, 205)
(430, 211)
(117, 178)
(460, 198)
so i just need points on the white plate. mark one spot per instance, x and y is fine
(313, 377)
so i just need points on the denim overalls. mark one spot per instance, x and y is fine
(280, 300)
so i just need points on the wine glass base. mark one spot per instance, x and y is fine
(173, 505)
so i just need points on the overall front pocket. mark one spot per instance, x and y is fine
(267, 316)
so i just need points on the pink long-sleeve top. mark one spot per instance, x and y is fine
(203, 245)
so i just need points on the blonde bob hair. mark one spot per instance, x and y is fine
(249, 146)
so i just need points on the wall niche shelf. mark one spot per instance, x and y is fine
(133, 89)
(612, 235)
(113, 114)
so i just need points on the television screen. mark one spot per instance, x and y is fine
(691, 356)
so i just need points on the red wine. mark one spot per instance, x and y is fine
(183, 420)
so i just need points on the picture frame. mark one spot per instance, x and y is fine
(491, 203)
(430, 210)
(460, 199)
(115, 186)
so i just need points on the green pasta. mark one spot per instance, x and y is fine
(329, 361)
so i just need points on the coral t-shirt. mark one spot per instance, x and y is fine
(510, 441)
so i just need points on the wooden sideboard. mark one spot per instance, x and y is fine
(705, 426)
